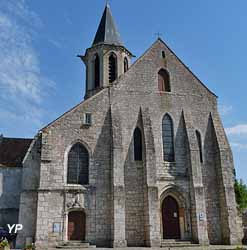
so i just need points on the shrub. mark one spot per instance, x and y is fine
(29, 247)
(4, 243)
(239, 248)
(241, 195)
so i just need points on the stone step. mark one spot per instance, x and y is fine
(197, 247)
(177, 243)
(75, 245)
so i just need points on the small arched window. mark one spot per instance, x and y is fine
(96, 71)
(112, 67)
(78, 162)
(126, 64)
(163, 54)
(168, 139)
(199, 142)
(164, 81)
(138, 144)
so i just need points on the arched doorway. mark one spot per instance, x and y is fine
(170, 218)
(76, 225)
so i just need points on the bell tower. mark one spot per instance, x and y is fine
(107, 58)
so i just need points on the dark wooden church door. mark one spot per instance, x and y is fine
(76, 225)
(170, 217)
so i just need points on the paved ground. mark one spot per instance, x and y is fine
(167, 248)
(163, 248)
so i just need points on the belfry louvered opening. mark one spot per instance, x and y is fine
(96, 71)
(112, 67)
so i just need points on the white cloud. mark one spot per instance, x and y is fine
(22, 85)
(240, 129)
(225, 110)
(56, 43)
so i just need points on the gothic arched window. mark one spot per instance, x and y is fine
(78, 162)
(112, 67)
(126, 64)
(168, 139)
(199, 142)
(96, 71)
(138, 144)
(164, 81)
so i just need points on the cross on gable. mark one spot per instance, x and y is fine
(158, 34)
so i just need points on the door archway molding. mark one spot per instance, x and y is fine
(66, 222)
(184, 210)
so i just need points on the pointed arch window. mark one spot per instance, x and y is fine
(137, 144)
(168, 139)
(199, 142)
(96, 71)
(164, 81)
(126, 64)
(112, 67)
(78, 163)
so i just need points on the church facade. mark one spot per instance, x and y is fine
(144, 159)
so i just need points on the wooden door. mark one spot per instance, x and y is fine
(76, 225)
(170, 217)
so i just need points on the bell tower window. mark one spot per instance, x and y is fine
(112, 67)
(96, 71)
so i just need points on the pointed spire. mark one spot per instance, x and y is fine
(107, 31)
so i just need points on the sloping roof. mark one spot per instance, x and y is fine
(107, 31)
(12, 151)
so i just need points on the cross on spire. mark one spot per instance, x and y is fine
(158, 34)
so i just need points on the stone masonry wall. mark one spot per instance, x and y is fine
(10, 188)
(134, 199)
(138, 89)
(245, 227)
(57, 140)
(212, 186)
(29, 194)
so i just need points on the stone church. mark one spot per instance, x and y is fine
(143, 161)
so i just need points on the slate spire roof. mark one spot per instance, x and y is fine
(107, 31)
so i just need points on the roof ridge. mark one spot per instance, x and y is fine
(17, 138)
(73, 108)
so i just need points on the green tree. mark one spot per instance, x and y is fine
(241, 194)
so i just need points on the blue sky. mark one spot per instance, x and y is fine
(41, 77)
